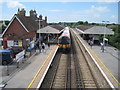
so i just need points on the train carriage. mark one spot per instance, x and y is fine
(64, 41)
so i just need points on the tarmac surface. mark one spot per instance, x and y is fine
(111, 59)
(23, 77)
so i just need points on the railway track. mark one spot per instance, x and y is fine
(84, 76)
(57, 74)
(70, 70)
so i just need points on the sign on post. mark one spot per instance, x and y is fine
(20, 55)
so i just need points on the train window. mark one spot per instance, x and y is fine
(60, 40)
(64, 40)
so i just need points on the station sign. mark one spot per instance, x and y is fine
(20, 55)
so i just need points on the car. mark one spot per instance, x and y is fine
(5, 57)
(15, 50)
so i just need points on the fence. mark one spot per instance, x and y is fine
(19, 61)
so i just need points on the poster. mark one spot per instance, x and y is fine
(10, 43)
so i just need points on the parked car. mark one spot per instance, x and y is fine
(15, 50)
(5, 57)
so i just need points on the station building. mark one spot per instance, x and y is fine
(22, 29)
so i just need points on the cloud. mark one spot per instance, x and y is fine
(100, 9)
(1, 1)
(114, 17)
(63, 1)
(96, 15)
(96, 11)
(107, 0)
(14, 4)
(54, 10)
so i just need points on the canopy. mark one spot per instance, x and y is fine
(49, 29)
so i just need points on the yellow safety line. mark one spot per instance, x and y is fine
(38, 71)
(105, 67)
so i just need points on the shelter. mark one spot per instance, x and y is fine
(94, 31)
(50, 32)
(99, 30)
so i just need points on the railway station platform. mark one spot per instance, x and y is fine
(110, 59)
(25, 77)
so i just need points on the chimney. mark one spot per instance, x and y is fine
(40, 17)
(33, 13)
(21, 12)
(18, 11)
(45, 18)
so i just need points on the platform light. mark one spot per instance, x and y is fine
(105, 22)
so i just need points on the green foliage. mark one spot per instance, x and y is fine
(80, 22)
(86, 22)
(115, 39)
(2, 28)
(7, 22)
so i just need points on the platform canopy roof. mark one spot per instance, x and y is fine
(96, 30)
(50, 29)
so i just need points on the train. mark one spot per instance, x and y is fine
(64, 41)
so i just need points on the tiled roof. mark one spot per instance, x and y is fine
(29, 22)
(95, 30)
(84, 27)
(59, 27)
(48, 29)
(99, 30)
(55, 29)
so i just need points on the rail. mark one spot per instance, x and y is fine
(83, 73)
(102, 79)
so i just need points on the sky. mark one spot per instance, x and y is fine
(64, 10)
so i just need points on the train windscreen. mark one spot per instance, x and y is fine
(64, 40)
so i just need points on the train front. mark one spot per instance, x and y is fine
(64, 41)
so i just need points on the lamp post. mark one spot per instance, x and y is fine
(39, 29)
(104, 35)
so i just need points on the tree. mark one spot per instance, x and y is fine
(115, 39)
(80, 22)
(7, 22)
(60, 23)
(93, 23)
(86, 22)
(2, 28)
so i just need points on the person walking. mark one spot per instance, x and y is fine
(43, 47)
(48, 45)
(91, 43)
(40, 48)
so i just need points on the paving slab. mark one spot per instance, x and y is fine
(23, 77)
(110, 58)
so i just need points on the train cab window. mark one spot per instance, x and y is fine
(64, 40)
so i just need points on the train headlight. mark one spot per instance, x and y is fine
(59, 45)
(64, 46)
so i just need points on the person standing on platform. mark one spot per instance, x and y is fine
(43, 47)
(91, 43)
(48, 45)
